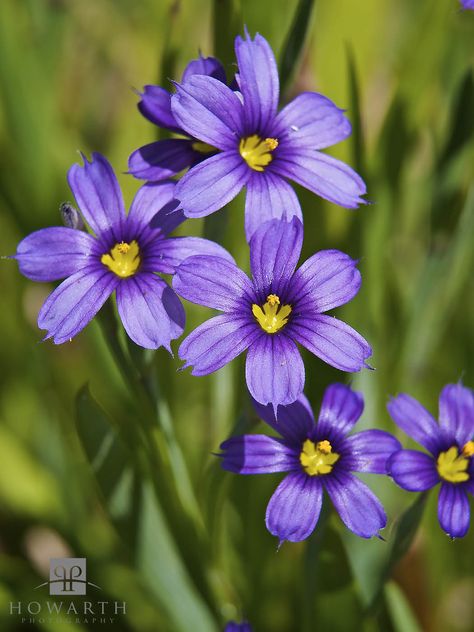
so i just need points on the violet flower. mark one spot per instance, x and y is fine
(123, 255)
(258, 147)
(468, 4)
(232, 626)
(272, 312)
(165, 158)
(451, 448)
(317, 457)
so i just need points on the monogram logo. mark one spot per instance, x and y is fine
(67, 576)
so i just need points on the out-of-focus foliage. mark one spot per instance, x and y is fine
(404, 71)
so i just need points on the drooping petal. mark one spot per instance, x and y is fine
(275, 248)
(269, 197)
(212, 184)
(331, 340)
(456, 411)
(274, 370)
(98, 195)
(369, 451)
(257, 454)
(324, 175)
(258, 81)
(165, 255)
(150, 311)
(415, 421)
(360, 510)
(413, 470)
(216, 342)
(326, 280)
(75, 302)
(209, 66)
(340, 410)
(152, 202)
(313, 121)
(453, 510)
(155, 105)
(214, 282)
(294, 422)
(161, 159)
(209, 111)
(55, 253)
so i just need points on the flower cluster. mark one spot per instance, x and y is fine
(230, 135)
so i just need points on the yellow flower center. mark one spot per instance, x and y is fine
(452, 466)
(123, 260)
(271, 316)
(257, 152)
(203, 148)
(318, 459)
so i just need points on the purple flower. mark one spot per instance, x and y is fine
(272, 312)
(123, 255)
(317, 457)
(165, 158)
(451, 449)
(238, 627)
(468, 4)
(259, 147)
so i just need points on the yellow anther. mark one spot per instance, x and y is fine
(271, 316)
(468, 449)
(318, 459)
(273, 299)
(452, 466)
(203, 148)
(257, 152)
(123, 260)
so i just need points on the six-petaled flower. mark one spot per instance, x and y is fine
(317, 457)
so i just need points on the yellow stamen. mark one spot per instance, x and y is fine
(468, 449)
(271, 316)
(203, 148)
(318, 459)
(123, 260)
(452, 466)
(256, 151)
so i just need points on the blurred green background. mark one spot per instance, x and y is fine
(201, 554)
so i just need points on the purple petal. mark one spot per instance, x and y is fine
(326, 280)
(332, 179)
(269, 197)
(257, 454)
(75, 302)
(456, 412)
(209, 66)
(149, 200)
(151, 313)
(340, 410)
(208, 110)
(453, 510)
(275, 248)
(155, 105)
(215, 282)
(258, 81)
(98, 195)
(332, 340)
(311, 120)
(216, 342)
(294, 422)
(360, 510)
(165, 255)
(274, 370)
(294, 508)
(161, 159)
(212, 184)
(413, 470)
(415, 421)
(369, 451)
(238, 627)
(55, 253)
